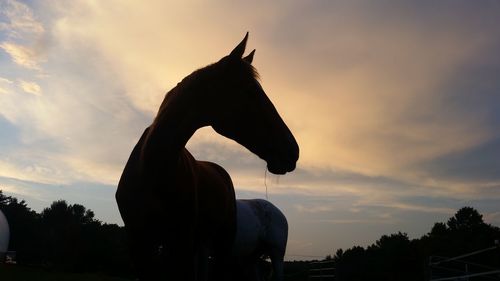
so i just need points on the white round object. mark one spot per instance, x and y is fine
(4, 233)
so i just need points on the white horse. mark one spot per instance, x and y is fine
(262, 231)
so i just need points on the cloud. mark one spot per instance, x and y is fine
(380, 84)
(22, 55)
(419, 208)
(356, 221)
(394, 106)
(30, 87)
(492, 218)
(314, 209)
(18, 19)
(384, 113)
(24, 34)
(35, 171)
(5, 82)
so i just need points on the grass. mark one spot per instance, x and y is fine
(295, 271)
(23, 273)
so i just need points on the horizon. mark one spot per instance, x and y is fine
(394, 106)
(292, 257)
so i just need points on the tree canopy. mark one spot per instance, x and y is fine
(65, 237)
(396, 257)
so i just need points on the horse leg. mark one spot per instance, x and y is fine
(277, 261)
(181, 256)
(220, 268)
(257, 271)
(246, 269)
(144, 252)
(202, 263)
(222, 258)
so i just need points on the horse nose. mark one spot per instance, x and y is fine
(296, 149)
(290, 153)
(293, 149)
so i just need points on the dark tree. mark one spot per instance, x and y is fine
(24, 226)
(396, 257)
(439, 229)
(467, 218)
(65, 237)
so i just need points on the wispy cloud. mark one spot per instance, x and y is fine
(33, 172)
(22, 55)
(30, 87)
(314, 209)
(24, 34)
(17, 19)
(419, 208)
(357, 221)
(492, 218)
(5, 80)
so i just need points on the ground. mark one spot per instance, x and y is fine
(23, 273)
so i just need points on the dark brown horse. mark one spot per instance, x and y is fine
(177, 209)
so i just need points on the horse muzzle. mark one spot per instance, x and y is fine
(284, 159)
(281, 166)
(279, 169)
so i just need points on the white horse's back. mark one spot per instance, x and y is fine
(262, 230)
(249, 228)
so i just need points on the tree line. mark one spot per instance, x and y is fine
(396, 257)
(65, 237)
(68, 237)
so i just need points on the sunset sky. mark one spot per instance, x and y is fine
(395, 105)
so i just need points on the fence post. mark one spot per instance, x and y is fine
(322, 271)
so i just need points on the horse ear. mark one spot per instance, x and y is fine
(240, 49)
(249, 58)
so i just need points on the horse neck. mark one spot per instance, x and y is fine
(175, 123)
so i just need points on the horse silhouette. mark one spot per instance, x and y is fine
(176, 209)
(262, 231)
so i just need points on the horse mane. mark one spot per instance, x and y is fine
(253, 71)
(203, 73)
(211, 69)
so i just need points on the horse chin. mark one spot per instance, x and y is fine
(280, 168)
(276, 171)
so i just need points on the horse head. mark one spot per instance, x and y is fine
(241, 110)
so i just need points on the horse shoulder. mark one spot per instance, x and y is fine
(214, 180)
(216, 201)
(130, 180)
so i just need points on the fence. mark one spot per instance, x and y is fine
(321, 271)
(458, 268)
(8, 257)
